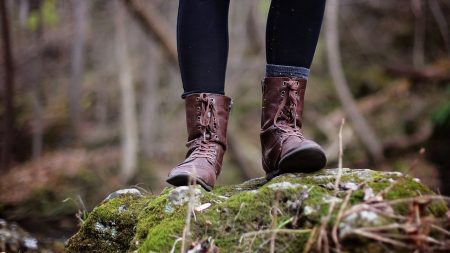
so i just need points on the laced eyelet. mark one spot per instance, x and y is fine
(283, 92)
(197, 98)
(284, 84)
(199, 127)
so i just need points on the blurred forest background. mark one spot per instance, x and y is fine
(90, 97)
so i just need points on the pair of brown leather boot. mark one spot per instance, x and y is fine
(284, 148)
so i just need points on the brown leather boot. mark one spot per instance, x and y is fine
(207, 119)
(284, 148)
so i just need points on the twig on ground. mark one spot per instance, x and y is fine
(250, 246)
(284, 223)
(436, 227)
(190, 207)
(274, 214)
(338, 220)
(380, 238)
(276, 231)
(404, 200)
(239, 212)
(387, 189)
(311, 240)
(175, 244)
(412, 233)
(323, 237)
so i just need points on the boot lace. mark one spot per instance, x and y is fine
(204, 148)
(286, 116)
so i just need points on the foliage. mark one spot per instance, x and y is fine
(45, 15)
(441, 116)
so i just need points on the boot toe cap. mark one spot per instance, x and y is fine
(188, 174)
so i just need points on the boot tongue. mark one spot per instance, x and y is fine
(287, 110)
(207, 117)
(207, 114)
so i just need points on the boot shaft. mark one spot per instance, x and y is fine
(207, 117)
(283, 100)
(207, 120)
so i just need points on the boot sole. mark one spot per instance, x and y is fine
(302, 160)
(185, 180)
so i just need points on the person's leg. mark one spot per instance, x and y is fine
(202, 51)
(293, 29)
(202, 41)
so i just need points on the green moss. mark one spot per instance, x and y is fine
(109, 227)
(151, 226)
(162, 236)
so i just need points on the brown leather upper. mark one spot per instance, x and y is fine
(281, 119)
(207, 120)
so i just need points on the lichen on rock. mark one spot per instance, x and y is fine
(240, 218)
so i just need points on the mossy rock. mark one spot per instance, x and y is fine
(239, 217)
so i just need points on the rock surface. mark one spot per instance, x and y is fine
(13, 238)
(286, 212)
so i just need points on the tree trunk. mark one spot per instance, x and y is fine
(128, 112)
(35, 70)
(37, 127)
(76, 67)
(364, 132)
(24, 8)
(8, 92)
(419, 33)
(149, 124)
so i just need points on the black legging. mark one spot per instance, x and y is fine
(293, 28)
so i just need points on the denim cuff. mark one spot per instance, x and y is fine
(187, 93)
(273, 70)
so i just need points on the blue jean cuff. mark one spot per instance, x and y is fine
(187, 93)
(273, 70)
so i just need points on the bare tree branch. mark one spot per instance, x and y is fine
(439, 16)
(154, 25)
(433, 73)
(364, 132)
